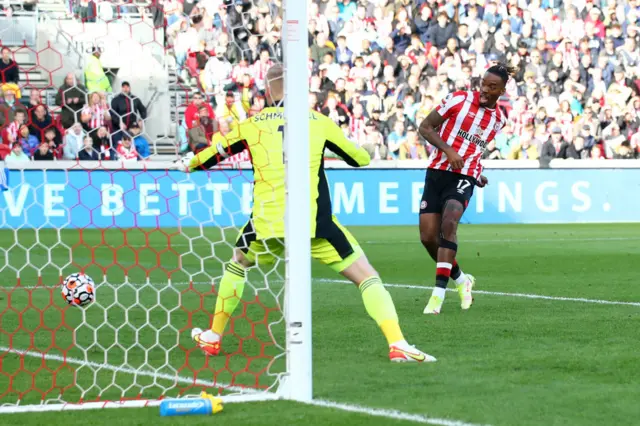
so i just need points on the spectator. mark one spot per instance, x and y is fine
(191, 113)
(396, 139)
(258, 105)
(126, 109)
(578, 150)
(217, 73)
(42, 121)
(11, 131)
(98, 112)
(9, 105)
(357, 124)
(399, 116)
(88, 153)
(442, 31)
(613, 138)
(126, 150)
(43, 152)
(9, 71)
(73, 142)
(625, 152)
(200, 135)
(231, 110)
(86, 11)
(524, 149)
(139, 141)
(35, 99)
(555, 147)
(71, 97)
(16, 153)
(53, 139)
(335, 111)
(492, 152)
(29, 142)
(94, 74)
(102, 144)
(413, 148)
(374, 143)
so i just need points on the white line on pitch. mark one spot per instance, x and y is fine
(417, 241)
(391, 285)
(390, 414)
(518, 240)
(500, 293)
(376, 412)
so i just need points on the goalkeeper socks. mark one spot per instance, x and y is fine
(380, 307)
(456, 273)
(229, 295)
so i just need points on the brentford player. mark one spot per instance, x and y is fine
(460, 128)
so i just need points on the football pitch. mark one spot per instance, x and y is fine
(552, 338)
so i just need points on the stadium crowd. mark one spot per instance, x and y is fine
(377, 68)
(84, 125)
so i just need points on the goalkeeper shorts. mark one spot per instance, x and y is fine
(338, 250)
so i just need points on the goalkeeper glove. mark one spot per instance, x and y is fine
(182, 164)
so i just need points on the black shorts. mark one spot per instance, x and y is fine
(441, 185)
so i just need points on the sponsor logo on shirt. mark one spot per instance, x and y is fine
(476, 139)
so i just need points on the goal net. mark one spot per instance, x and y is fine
(154, 240)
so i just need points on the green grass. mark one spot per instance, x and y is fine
(507, 361)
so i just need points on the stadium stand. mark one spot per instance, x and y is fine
(377, 67)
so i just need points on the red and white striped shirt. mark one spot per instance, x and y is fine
(97, 115)
(127, 153)
(260, 72)
(239, 71)
(468, 128)
(356, 128)
(520, 119)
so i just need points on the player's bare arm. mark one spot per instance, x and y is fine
(482, 181)
(429, 130)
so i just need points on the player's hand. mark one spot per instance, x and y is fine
(483, 181)
(455, 160)
(182, 164)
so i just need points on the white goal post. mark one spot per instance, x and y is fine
(298, 384)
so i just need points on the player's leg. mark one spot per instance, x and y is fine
(430, 224)
(430, 233)
(342, 253)
(456, 198)
(230, 290)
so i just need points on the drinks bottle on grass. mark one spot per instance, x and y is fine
(205, 405)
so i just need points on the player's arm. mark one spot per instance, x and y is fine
(338, 143)
(430, 126)
(222, 147)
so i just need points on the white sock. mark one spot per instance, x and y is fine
(461, 279)
(438, 291)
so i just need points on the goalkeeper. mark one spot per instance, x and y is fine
(260, 240)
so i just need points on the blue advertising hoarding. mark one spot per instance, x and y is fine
(158, 198)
